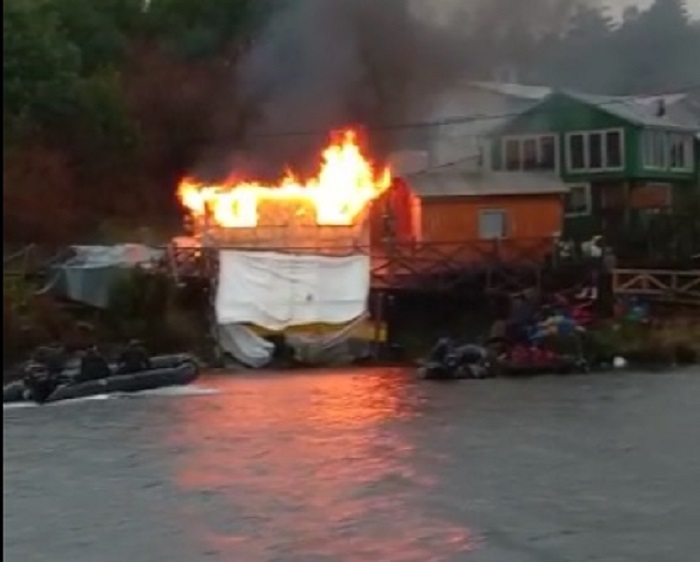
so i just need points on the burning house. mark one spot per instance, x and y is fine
(292, 257)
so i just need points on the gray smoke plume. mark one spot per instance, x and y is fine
(321, 64)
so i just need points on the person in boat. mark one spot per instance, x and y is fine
(468, 354)
(522, 316)
(470, 359)
(40, 382)
(52, 358)
(436, 362)
(93, 366)
(441, 350)
(134, 358)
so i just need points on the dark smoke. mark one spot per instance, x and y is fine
(321, 64)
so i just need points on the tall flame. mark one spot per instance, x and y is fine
(345, 184)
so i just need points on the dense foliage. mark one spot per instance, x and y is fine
(107, 103)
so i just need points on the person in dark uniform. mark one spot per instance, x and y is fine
(134, 358)
(40, 383)
(52, 359)
(93, 366)
(48, 357)
(441, 350)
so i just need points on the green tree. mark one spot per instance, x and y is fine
(40, 67)
(203, 28)
(99, 30)
(578, 58)
(651, 50)
(657, 49)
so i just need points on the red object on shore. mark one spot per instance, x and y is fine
(531, 355)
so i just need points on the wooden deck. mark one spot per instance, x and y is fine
(428, 266)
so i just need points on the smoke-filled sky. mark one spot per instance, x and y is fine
(618, 5)
(322, 63)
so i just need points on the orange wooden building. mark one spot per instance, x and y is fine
(469, 217)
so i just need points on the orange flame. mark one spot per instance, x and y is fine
(345, 184)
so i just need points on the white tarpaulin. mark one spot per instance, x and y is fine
(252, 350)
(329, 348)
(276, 291)
(245, 345)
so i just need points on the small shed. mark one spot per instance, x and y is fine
(516, 214)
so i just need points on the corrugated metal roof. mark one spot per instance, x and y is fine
(457, 182)
(642, 110)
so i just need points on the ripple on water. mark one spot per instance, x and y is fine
(360, 466)
(318, 469)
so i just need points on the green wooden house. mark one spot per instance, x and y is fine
(632, 164)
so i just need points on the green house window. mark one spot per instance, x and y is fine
(595, 151)
(577, 152)
(613, 148)
(663, 150)
(530, 153)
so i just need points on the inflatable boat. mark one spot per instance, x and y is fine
(442, 371)
(448, 361)
(166, 370)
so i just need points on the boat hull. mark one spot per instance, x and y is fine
(168, 370)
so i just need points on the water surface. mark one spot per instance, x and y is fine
(364, 465)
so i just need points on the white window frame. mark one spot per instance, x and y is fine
(586, 151)
(687, 145)
(506, 220)
(589, 200)
(648, 138)
(649, 135)
(537, 137)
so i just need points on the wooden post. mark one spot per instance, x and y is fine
(378, 322)
(211, 271)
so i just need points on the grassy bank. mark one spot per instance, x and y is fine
(654, 344)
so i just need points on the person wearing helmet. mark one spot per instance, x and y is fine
(52, 359)
(39, 382)
(134, 358)
(93, 366)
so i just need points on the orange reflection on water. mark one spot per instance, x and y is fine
(312, 465)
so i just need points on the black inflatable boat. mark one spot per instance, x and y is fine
(445, 372)
(167, 370)
(448, 361)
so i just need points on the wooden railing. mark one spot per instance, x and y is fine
(392, 264)
(681, 286)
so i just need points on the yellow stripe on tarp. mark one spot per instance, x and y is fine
(364, 330)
